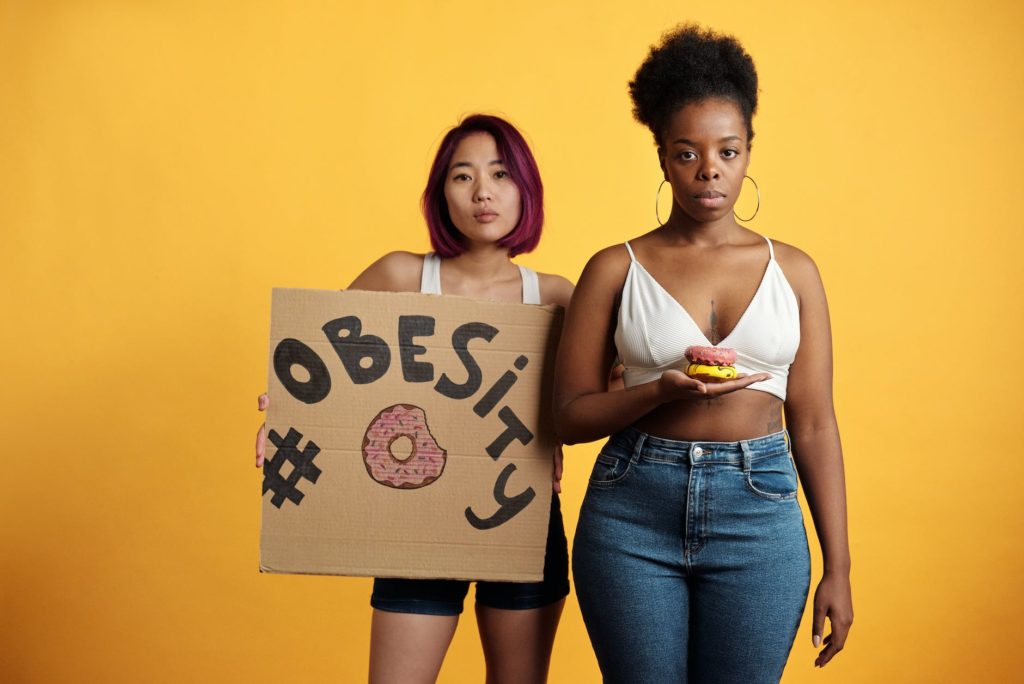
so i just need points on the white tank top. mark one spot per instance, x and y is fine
(430, 281)
(654, 329)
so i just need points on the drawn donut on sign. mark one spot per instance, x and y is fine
(423, 465)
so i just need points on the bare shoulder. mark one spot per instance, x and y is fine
(600, 284)
(607, 267)
(554, 289)
(393, 272)
(797, 265)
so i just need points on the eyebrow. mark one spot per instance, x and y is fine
(685, 141)
(462, 163)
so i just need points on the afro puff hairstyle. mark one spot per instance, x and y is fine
(692, 64)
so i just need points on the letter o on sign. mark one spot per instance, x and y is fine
(291, 352)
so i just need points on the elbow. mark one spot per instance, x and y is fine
(566, 429)
(569, 439)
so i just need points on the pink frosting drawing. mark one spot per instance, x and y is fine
(711, 356)
(424, 465)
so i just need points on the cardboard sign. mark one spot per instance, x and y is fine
(409, 435)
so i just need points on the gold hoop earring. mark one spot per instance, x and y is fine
(756, 209)
(657, 197)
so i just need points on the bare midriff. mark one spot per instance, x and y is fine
(744, 414)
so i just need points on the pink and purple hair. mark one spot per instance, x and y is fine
(515, 153)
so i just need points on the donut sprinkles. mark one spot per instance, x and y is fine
(711, 356)
(424, 465)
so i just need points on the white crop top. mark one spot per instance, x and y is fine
(430, 281)
(654, 329)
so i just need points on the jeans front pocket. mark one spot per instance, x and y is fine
(773, 478)
(609, 469)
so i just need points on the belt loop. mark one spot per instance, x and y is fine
(638, 446)
(747, 455)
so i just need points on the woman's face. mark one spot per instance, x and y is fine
(483, 201)
(705, 154)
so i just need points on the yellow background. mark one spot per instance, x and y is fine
(164, 164)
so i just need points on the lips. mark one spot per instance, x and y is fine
(710, 199)
(485, 216)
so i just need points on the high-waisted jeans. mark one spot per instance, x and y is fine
(691, 560)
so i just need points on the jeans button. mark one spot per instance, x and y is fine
(698, 452)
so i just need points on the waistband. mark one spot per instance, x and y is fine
(651, 448)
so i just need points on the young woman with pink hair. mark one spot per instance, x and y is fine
(483, 205)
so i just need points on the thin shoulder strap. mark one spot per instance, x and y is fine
(771, 250)
(430, 280)
(632, 257)
(531, 285)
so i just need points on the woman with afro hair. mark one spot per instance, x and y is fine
(690, 556)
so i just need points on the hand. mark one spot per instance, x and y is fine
(833, 598)
(261, 435)
(678, 385)
(556, 480)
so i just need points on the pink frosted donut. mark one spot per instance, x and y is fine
(711, 356)
(424, 465)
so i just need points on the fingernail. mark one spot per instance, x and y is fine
(816, 640)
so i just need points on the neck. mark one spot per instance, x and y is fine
(482, 262)
(681, 227)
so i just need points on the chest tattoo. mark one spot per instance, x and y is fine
(712, 333)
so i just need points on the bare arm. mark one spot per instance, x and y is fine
(811, 420)
(554, 289)
(583, 404)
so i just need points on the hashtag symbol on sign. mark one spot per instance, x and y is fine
(302, 467)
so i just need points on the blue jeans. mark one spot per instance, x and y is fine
(691, 560)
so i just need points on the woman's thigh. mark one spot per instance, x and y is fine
(408, 648)
(517, 643)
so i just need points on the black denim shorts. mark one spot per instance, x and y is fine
(445, 597)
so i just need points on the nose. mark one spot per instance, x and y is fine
(482, 191)
(707, 169)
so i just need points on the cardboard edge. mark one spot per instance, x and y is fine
(553, 308)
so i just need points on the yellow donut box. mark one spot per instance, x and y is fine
(697, 370)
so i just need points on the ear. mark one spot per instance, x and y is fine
(661, 162)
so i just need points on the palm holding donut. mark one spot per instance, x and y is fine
(678, 385)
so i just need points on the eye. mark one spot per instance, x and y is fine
(501, 174)
(461, 177)
(686, 155)
(730, 154)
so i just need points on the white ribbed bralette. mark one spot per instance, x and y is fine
(654, 329)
